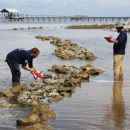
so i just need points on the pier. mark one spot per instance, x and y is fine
(64, 19)
(12, 15)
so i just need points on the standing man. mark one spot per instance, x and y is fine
(119, 51)
(23, 57)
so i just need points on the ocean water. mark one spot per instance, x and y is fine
(99, 104)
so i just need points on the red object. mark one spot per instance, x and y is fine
(108, 38)
(37, 75)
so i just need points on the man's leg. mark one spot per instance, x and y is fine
(118, 68)
(121, 74)
(15, 70)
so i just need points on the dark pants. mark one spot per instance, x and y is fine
(15, 70)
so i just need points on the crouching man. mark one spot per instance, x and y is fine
(23, 57)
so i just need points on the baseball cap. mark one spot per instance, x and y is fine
(119, 24)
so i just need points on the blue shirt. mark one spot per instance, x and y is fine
(21, 56)
(119, 48)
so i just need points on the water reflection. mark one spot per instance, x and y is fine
(116, 111)
(118, 106)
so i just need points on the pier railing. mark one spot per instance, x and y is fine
(63, 19)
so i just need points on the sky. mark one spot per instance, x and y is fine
(99, 8)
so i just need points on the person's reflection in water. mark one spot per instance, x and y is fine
(118, 108)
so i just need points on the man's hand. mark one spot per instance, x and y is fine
(113, 41)
(29, 69)
(32, 69)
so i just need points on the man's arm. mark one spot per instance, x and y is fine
(121, 39)
(30, 63)
(28, 68)
(113, 41)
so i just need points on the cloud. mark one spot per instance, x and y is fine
(70, 7)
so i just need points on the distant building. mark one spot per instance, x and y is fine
(11, 14)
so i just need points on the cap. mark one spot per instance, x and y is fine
(119, 24)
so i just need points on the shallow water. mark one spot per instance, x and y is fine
(96, 105)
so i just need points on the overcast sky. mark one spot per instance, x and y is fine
(70, 7)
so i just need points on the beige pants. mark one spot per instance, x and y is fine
(118, 67)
